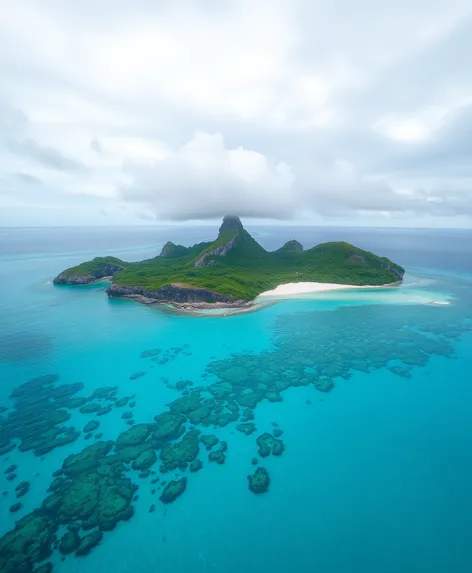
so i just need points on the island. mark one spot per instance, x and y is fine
(232, 271)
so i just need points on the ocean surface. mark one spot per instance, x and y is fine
(375, 475)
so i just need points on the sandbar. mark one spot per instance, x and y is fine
(291, 289)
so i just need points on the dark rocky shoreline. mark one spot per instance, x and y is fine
(179, 296)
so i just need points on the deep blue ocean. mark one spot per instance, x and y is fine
(376, 474)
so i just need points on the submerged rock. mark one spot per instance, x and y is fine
(7, 448)
(196, 466)
(89, 542)
(90, 408)
(259, 481)
(150, 353)
(402, 371)
(182, 384)
(217, 456)
(137, 375)
(135, 435)
(56, 484)
(87, 459)
(323, 384)
(104, 410)
(173, 490)
(145, 460)
(30, 542)
(268, 444)
(174, 455)
(247, 415)
(22, 488)
(209, 441)
(223, 446)
(69, 543)
(246, 428)
(104, 392)
(91, 426)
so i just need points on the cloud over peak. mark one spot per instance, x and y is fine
(203, 179)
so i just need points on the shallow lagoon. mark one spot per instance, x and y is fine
(375, 474)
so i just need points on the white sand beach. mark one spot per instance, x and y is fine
(290, 289)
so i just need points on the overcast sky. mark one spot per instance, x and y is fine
(323, 111)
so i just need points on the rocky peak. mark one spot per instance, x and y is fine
(167, 249)
(230, 223)
(292, 245)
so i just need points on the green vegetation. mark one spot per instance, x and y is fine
(292, 245)
(94, 266)
(245, 269)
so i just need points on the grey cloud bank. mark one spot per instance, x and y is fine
(276, 109)
(48, 156)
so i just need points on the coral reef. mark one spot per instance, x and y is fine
(209, 441)
(246, 428)
(268, 444)
(217, 456)
(88, 542)
(173, 490)
(177, 455)
(196, 466)
(28, 543)
(91, 426)
(259, 481)
(22, 488)
(145, 460)
(69, 542)
(137, 375)
(93, 490)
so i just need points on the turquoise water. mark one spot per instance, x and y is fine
(376, 473)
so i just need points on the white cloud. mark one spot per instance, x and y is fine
(318, 108)
(204, 179)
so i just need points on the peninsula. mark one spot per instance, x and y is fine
(233, 270)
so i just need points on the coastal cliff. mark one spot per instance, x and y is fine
(232, 270)
(174, 294)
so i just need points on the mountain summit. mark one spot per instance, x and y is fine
(231, 223)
